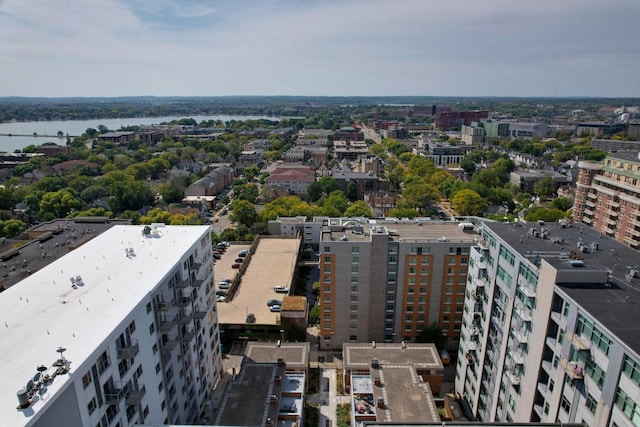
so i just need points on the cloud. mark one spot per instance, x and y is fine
(375, 47)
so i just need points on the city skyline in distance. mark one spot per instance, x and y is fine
(333, 48)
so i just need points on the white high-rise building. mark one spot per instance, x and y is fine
(123, 330)
(550, 329)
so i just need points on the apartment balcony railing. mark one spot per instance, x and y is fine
(128, 351)
(135, 394)
(114, 396)
(168, 324)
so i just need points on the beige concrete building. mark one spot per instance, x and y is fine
(385, 280)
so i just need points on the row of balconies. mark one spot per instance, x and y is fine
(132, 394)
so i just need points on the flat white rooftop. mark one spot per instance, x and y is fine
(44, 312)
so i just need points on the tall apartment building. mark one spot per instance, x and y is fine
(452, 120)
(121, 331)
(608, 197)
(385, 280)
(550, 331)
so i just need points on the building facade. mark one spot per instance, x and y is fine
(386, 280)
(608, 197)
(129, 324)
(548, 332)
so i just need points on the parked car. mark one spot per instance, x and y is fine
(221, 298)
(221, 293)
(243, 253)
(281, 289)
(216, 255)
(235, 265)
(275, 308)
(240, 260)
(274, 302)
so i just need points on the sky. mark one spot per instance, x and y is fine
(56, 48)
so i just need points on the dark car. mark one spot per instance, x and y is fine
(235, 265)
(240, 260)
(274, 302)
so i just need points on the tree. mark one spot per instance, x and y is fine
(434, 334)
(352, 191)
(57, 204)
(538, 213)
(420, 195)
(250, 172)
(129, 195)
(562, 203)
(335, 203)
(402, 213)
(244, 212)
(544, 187)
(248, 192)
(12, 227)
(358, 209)
(156, 215)
(468, 165)
(468, 202)
(324, 185)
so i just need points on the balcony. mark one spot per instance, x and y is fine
(590, 204)
(527, 289)
(185, 318)
(521, 336)
(196, 266)
(524, 312)
(586, 220)
(169, 344)
(518, 357)
(182, 284)
(167, 325)
(129, 351)
(593, 196)
(200, 314)
(135, 394)
(197, 283)
(184, 301)
(573, 369)
(165, 306)
(514, 376)
(187, 336)
(114, 396)
(578, 342)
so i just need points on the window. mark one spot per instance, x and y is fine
(86, 379)
(355, 250)
(327, 260)
(132, 327)
(353, 337)
(148, 308)
(631, 370)
(591, 404)
(155, 348)
(355, 260)
(92, 405)
(327, 249)
(565, 404)
(504, 276)
(152, 329)
(103, 362)
(587, 329)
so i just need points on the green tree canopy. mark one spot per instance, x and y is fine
(359, 208)
(244, 212)
(58, 204)
(468, 202)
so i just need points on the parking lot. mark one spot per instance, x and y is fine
(272, 264)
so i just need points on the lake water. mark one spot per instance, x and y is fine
(77, 127)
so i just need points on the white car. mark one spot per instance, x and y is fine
(281, 289)
(221, 298)
(275, 308)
